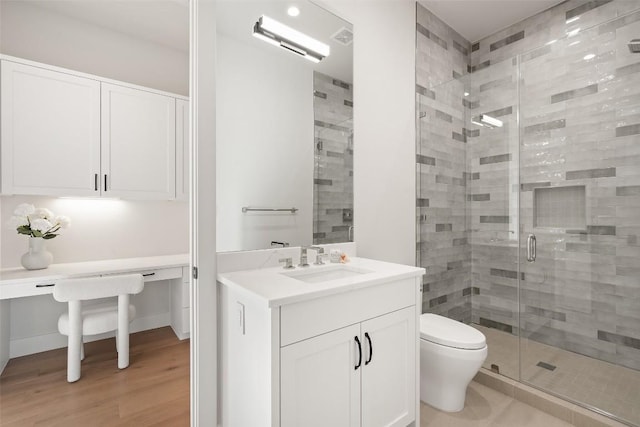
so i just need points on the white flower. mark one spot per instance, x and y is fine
(63, 221)
(41, 224)
(18, 221)
(42, 213)
(24, 209)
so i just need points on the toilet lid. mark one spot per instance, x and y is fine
(448, 332)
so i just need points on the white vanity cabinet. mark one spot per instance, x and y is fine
(66, 133)
(50, 132)
(138, 143)
(360, 375)
(347, 358)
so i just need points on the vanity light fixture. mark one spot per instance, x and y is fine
(486, 121)
(278, 34)
(589, 56)
(570, 20)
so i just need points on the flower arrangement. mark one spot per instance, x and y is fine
(37, 222)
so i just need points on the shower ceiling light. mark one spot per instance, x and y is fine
(293, 11)
(486, 121)
(278, 34)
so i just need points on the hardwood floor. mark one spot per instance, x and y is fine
(152, 391)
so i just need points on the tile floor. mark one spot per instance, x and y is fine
(611, 388)
(487, 407)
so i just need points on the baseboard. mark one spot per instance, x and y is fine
(559, 408)
(40, 343)
(181, 336)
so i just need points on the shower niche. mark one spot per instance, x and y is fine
(560, 207)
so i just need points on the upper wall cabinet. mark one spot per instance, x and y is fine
(138, 143)
(70, 134)
(182, 149)
(50, 132)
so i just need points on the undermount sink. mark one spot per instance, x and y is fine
(326, 274)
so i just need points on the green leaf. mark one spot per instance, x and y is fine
(24, 229)
(49, 236)
(37, 233)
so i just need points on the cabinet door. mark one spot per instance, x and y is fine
(50, 132)
(138, 143)
(182, 149)
(319, 384)
(389, 372)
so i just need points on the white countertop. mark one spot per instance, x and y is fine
(12, 276)
(276, 289)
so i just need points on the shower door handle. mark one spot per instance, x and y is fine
(531, 248)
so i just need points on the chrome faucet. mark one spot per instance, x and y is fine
(303, 257)
(319, 254)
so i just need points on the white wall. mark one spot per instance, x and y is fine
(101, 229)
(264, 144)
(384, 126)
(38, 34)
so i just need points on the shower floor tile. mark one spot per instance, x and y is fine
(487, 407)
(611, 388)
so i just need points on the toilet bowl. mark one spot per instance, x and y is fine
(450, 355)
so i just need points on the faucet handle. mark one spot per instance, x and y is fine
(320, 257)
(288, 263)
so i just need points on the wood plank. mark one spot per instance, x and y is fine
(153, 390)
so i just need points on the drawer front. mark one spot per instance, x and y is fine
(160, 274)
(310, 318)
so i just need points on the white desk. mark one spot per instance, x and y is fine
(19, 283)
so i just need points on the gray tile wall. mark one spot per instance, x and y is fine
(442, 240)
(580, 121)
(579, 127)
(333, 168)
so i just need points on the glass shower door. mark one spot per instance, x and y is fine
(491, 130)
(580, 219)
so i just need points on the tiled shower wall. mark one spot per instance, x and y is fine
(333, 168)
(579, 106)
(442, 241)
(579, 129)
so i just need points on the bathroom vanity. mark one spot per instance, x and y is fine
(325, 345)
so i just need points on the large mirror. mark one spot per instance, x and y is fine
(284, 125)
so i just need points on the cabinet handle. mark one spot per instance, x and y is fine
(366, 335)
(48, 285)
(359, 353)
(105, 182)
(95, 182)
(148, 274)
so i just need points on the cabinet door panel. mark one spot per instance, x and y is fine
(319, 385)
(138, 143)
(388, 380)
(182, 149)
(50, 132)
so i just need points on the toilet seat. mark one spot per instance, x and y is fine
(450, 333)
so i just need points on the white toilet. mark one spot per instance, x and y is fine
(450, 355)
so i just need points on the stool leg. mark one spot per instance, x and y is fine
(75, 342)
(123, 331)
(81, 349)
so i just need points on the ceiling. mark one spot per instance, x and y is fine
(167, 21)
(476, 19)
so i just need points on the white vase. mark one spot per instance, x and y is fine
(38, 256)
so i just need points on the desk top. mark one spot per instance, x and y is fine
(16, 276)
